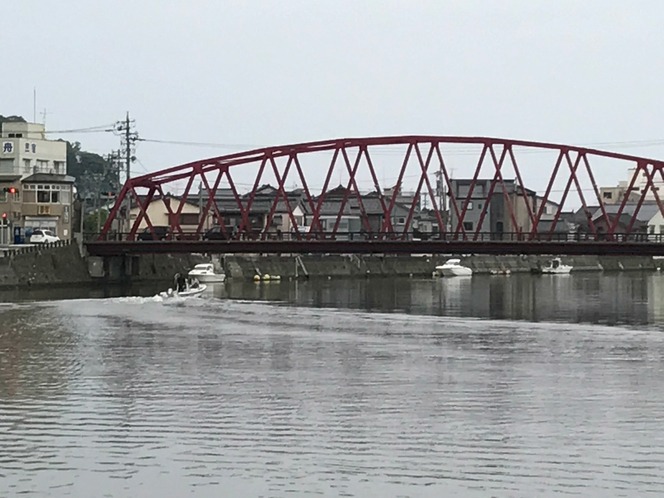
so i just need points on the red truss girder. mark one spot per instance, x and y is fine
(496, 162)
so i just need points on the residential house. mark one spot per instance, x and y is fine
(568, 226)
(550, 208)
(332, 211)
(360, 214)
(159, 215)
(656, 227)
(260, 205)
(373, 208)
(426, 225)
(644, 215)
(497, 218)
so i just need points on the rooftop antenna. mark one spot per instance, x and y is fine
(34, 104)
(43, 115)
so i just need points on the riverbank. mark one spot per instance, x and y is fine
(64, 266)
(292, 266)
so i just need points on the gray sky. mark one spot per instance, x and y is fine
(265, 73)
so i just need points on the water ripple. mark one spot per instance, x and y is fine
(140, 398)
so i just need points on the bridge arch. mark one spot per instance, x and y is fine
(501, 190)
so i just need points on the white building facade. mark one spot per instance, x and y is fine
(26, 151)
(35, 191)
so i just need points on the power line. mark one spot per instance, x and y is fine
(200, 144)
(92, 129)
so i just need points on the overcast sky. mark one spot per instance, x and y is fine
(248, 73)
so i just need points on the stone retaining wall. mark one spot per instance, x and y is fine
(42, 266)
(288, 266)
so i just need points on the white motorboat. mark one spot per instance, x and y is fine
(191, 291)
(452, 268)
(556, 266)
(205, 273)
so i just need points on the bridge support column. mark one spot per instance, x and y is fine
(120, 268)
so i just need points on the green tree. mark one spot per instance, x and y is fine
(11, 119)
(94, 220)
(93, 173)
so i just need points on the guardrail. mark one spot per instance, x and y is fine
(384, 236)
(28, 248)
(596, 247)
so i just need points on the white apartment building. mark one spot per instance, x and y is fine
(615, 195)
(25, 151)
(36, 169)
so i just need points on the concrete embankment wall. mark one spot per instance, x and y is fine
(327, 266)
(44, 266)
(49, 266)
(523, 263)
(245, 266)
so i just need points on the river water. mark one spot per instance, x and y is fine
(488, 386)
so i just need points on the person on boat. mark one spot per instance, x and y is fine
(193, 283)
(180, 283)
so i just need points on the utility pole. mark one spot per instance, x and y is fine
(128, 135)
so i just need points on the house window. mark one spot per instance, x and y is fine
(661, 229)
(48, 194)
(468, 225)
(188, 218)
(651, 229)
(42, 166)
(59, 167)
(470, 206)
(607, 195)
(27, 164)
(401, 221)
(479, 205)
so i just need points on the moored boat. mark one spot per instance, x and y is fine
(452, 268)
(205, 273)
(555, 266)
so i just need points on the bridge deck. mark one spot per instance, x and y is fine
(572, 248)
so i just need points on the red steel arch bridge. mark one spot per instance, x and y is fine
(400, 194)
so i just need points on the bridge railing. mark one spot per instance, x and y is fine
(481, 237)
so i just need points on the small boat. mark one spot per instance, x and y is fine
(555, 266)
(192, 291)
(205, 273)
(452, 268)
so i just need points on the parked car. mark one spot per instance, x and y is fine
(40, 236)
(160, 233)
(216, 233)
